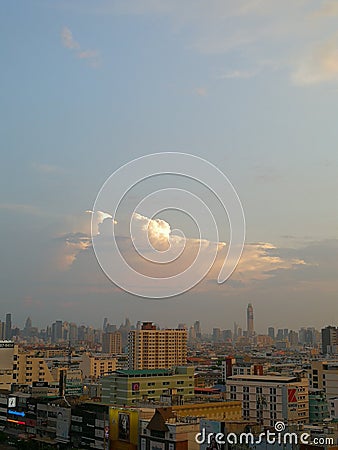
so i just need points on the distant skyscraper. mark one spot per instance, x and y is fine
(192, 334)
(250, 320)
(72, 332)
(28, 327)
(227, 335)
(293, 338)
(216, 334)
(105, 323)
(197, 327)
(271, 332)
(235, 330)
(8, 328)
(57, 331)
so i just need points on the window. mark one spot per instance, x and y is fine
(158, 434)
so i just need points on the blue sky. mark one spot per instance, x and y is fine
(251, 86)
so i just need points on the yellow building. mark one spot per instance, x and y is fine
(222, 411)
(95, 366)
(150, 348)
(8, 361)
(32, 368)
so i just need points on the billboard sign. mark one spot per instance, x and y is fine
(6, 344)
(123, 429)
(11, 402)
(211, 428)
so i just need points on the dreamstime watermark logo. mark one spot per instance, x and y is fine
(279, 426)
(278, 437)
(135, 238)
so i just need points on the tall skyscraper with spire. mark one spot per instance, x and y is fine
(250, 320)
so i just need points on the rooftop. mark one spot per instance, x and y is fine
(144, 372)
(267, 378)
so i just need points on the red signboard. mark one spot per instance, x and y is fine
(292, 395)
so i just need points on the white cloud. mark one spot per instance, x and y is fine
(154, 243)
(328, 9)
(21, 208)
(71, 245)
(257, 30)
(241, 74)
(201, 91)
(91, 56)
(320, 65)
(97, 219)
(68, 40)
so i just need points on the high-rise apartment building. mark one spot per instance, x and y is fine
(330, 340)
(149, 348)
(112, 343)
(250, 320)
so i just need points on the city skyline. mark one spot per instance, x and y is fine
(250, 86)
(125, 322)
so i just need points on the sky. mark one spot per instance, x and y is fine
(251, 86)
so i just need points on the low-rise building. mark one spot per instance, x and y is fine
(333, 408)
(267, 399)
(166, 430)
(8, 364)
(130, 387)
(318, 406)
(323, 375)
(90, 426)
(95, 366)
(226, 411)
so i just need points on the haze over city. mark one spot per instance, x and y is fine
(251, 86)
